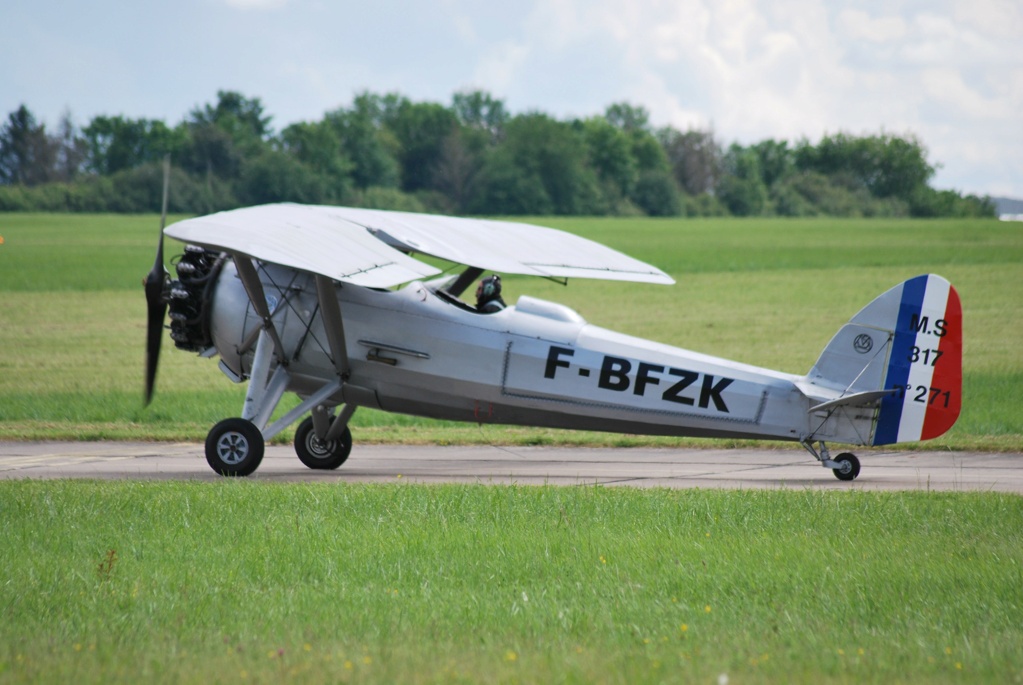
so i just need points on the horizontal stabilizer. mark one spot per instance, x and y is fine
(860, 399)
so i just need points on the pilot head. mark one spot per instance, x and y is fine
(488, 289)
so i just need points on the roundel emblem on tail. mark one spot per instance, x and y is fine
(863, 343)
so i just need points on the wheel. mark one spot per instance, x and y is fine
(234, 447)
(849, 466)
(317, 454)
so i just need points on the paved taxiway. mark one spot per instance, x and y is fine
(641, 467)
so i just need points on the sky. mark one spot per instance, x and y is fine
(949, 72)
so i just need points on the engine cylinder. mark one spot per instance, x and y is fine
(190, 297)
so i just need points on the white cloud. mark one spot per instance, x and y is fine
(947, 89)
(861, 26)
(1000, 19)
(752, 70)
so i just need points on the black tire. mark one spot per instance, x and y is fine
(850, 466)
(234, 447)
(317, 454)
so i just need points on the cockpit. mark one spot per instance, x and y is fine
(448, 288)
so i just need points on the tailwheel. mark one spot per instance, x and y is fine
(848, 466)
(321, 454)
(234, 447)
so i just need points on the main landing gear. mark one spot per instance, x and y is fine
(845, 466)
(234, 447)
(317, 453)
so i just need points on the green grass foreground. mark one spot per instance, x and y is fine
(768, 292)
(247, 582)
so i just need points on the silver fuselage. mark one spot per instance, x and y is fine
(536, 363)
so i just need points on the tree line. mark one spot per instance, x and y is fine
(469, 157)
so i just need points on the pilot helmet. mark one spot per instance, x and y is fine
(489, 288)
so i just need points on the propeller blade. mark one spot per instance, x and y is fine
(156, 311)
(156, 304)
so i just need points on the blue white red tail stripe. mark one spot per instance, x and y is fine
(925, 364)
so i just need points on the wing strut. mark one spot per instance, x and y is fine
(333, 325)
(464, 281)
(254, 289)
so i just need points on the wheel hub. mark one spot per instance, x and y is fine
(233, 448)
(321, 448)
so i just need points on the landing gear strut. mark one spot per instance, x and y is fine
(845, 466)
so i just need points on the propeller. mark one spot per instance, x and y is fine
(156, 302)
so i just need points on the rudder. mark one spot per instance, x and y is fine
(925, 365)
(909, 341)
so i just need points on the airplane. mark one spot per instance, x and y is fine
(331, 303)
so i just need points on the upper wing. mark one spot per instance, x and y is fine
(366, 246)
(315, 239)
(504, 246)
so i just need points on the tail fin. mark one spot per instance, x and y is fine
(907, 344)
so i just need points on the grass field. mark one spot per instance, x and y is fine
(765, 292)
(240, 581)
(247, 582)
